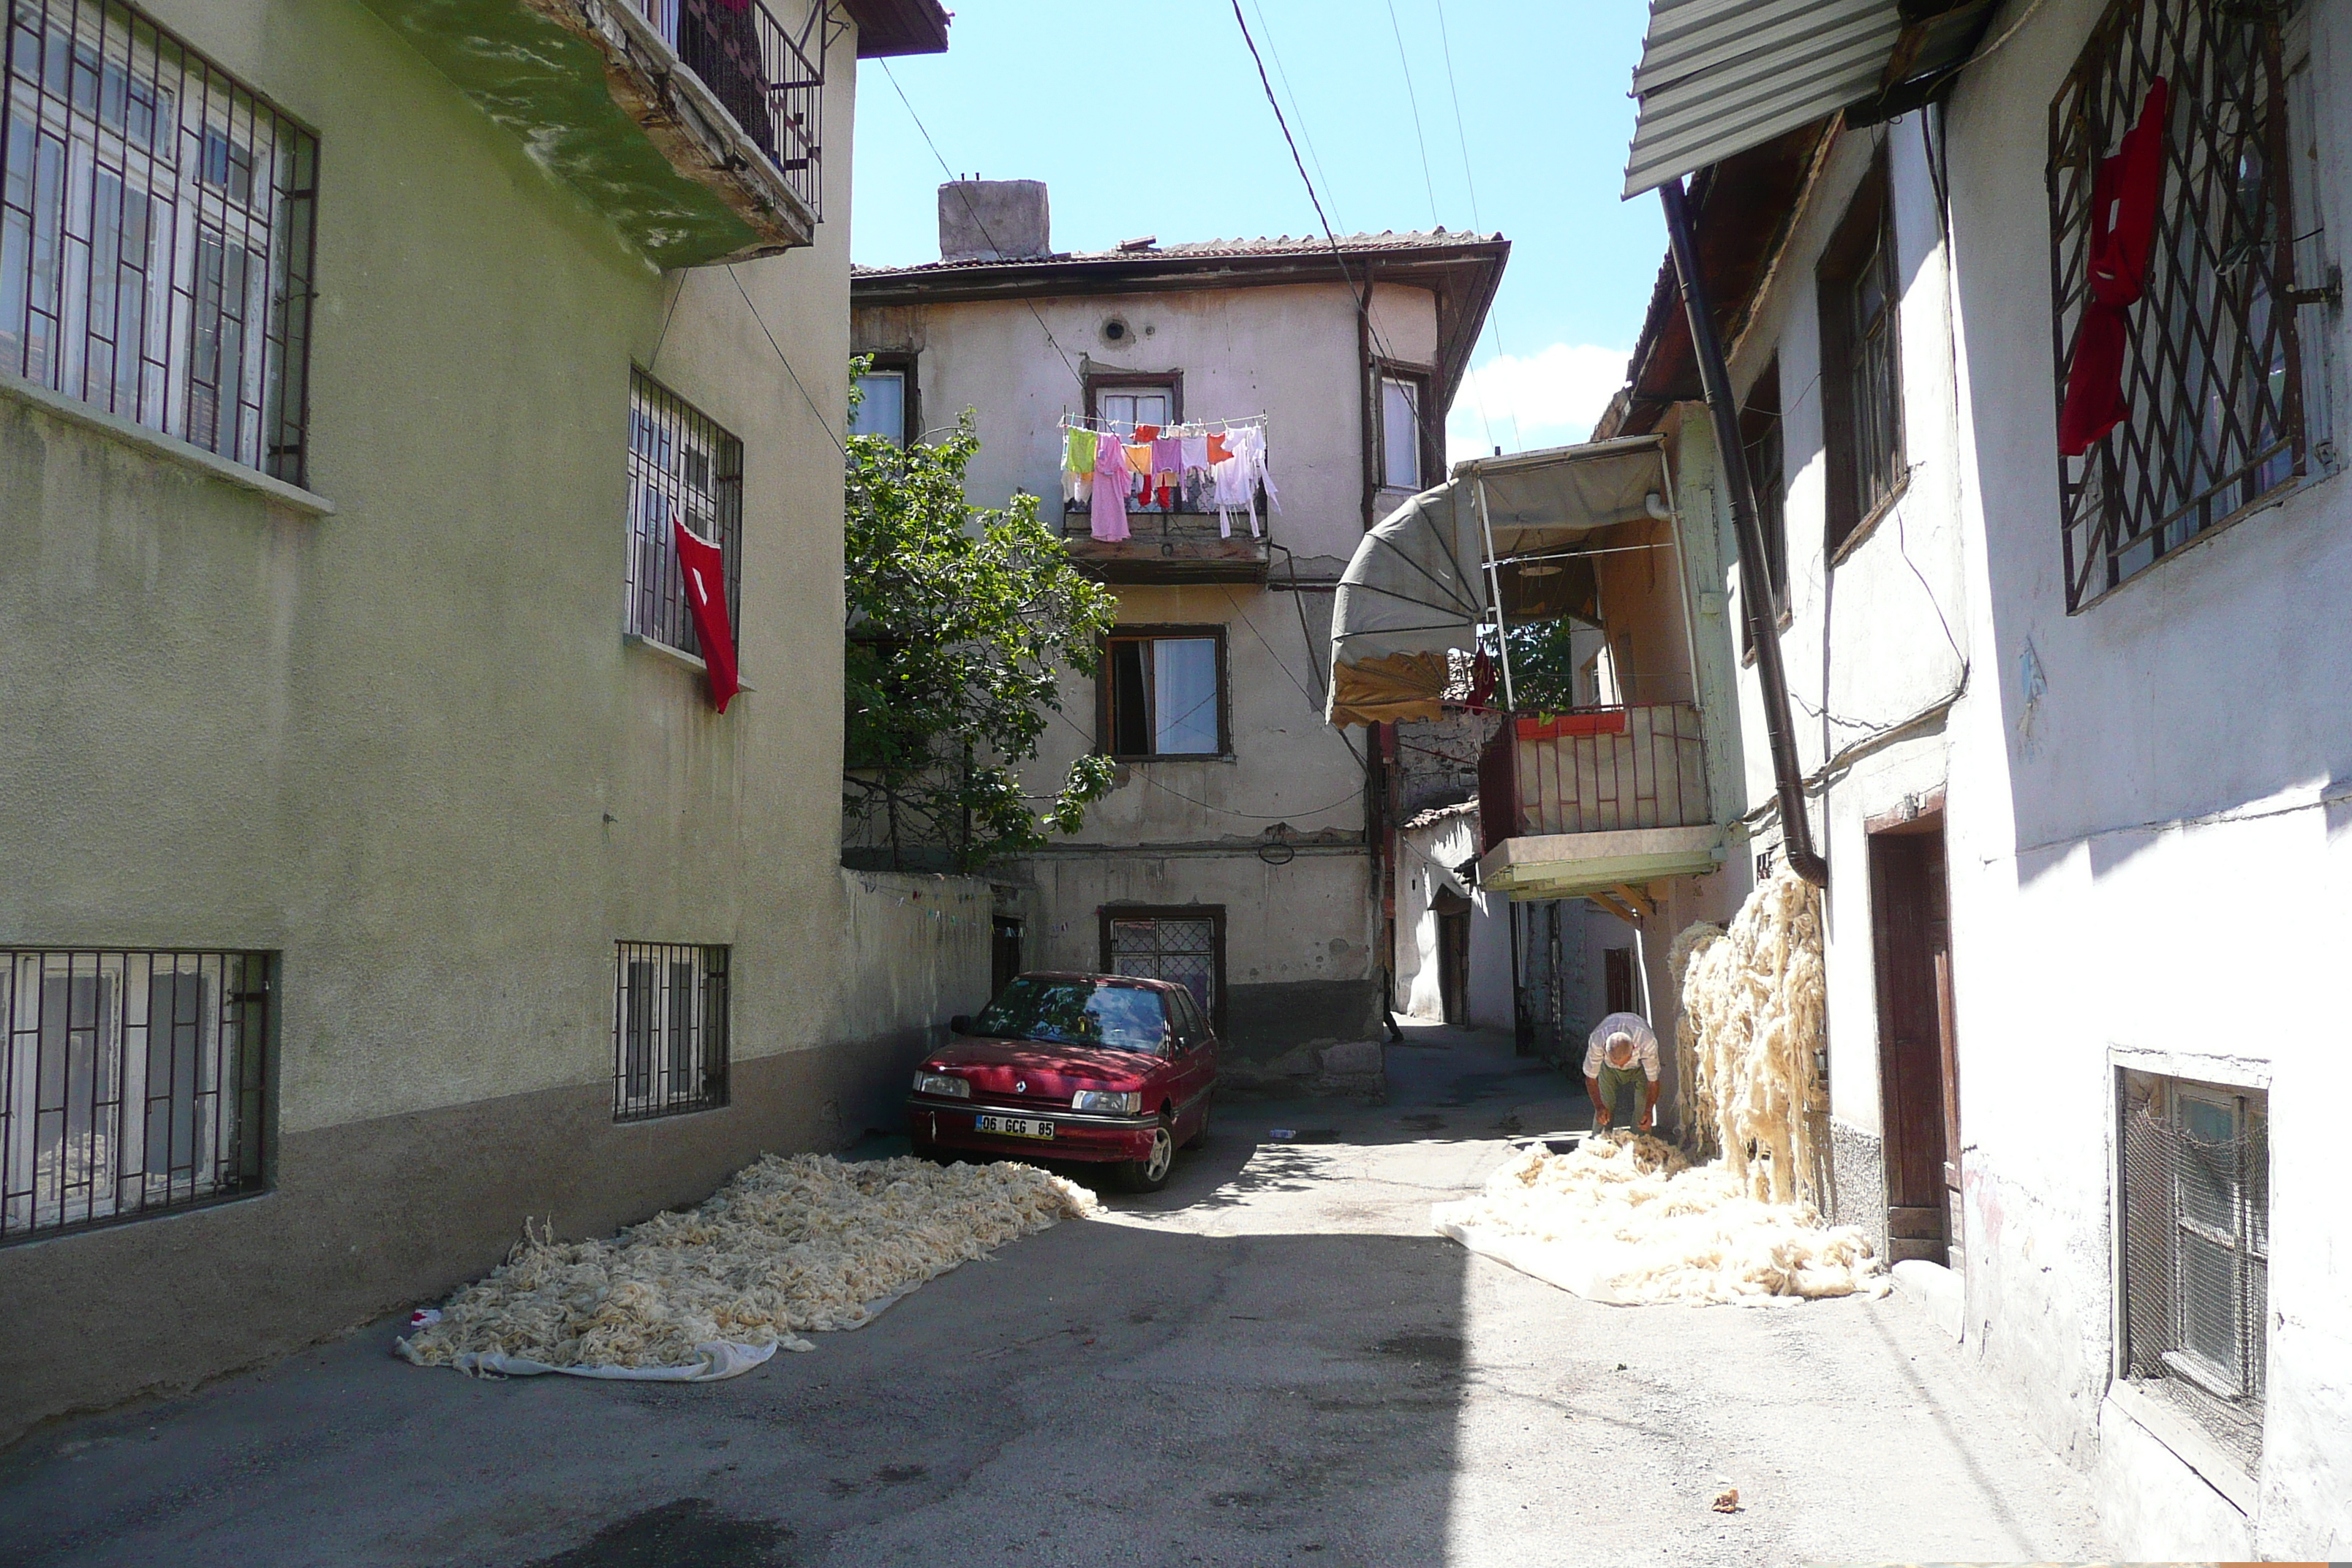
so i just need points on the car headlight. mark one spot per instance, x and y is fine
(948, 1084)
(1125, 1101)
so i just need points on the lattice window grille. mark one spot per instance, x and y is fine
(2212, 372)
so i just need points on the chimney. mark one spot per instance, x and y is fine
(993, 220)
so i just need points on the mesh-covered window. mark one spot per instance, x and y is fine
(670, 1030)
(155, 233)
(1182, 948)
(130, 1082)
(2186, 332)
(682, 465)
(2196, 1222)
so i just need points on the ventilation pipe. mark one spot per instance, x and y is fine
(1755, 581)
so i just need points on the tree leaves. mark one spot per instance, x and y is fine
(958, 620)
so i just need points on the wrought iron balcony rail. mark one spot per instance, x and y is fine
(762, 72)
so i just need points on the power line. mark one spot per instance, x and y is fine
(978, 222)
(1274, 49)
(1364, 296)
(1412, 101)
(1469, 180)
(822, 422)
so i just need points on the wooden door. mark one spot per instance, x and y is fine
(1454, 965)
(1911, 937)
(1617, 974)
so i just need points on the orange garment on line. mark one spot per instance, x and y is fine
(1218, 452)
(1138, 458)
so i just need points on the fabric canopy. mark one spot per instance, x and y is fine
(1415, 591)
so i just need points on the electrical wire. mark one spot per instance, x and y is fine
(1470, 182)
(977, 221)
(1412, 101)
(1266, 29)
(822, 422)
(1205, 805)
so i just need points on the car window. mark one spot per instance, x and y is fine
(1077, 1012)
(1196, 1028)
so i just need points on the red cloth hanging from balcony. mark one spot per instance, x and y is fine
(703, 569)
(2124, 194)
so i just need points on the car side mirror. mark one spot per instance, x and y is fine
(961, 1024)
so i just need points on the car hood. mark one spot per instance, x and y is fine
(1051, 1071)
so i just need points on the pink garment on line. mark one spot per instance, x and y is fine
(1110, 503)
(1167, 455)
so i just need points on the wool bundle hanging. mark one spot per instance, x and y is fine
(790, 1243)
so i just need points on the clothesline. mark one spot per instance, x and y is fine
(1183, 427)
(1105, 464)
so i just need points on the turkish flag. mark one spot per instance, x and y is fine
(702, 570)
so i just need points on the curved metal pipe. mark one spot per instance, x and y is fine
(1755, 582)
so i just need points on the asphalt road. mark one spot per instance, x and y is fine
(1271, 1362)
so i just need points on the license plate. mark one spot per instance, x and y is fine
(1013, 1126)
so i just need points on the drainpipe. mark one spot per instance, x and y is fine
(1755, 582)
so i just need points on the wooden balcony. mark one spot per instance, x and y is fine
(1583, 802)
(1172, 546)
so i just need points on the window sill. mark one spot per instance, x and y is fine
(1869, 524)
(1173, 757)
(2190, 1447)
(678, 656)
(154, 443)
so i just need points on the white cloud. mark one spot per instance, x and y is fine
(1545, 399)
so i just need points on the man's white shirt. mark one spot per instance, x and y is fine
(1645, 1044)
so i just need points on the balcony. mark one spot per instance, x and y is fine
(1183, 543)
(1594, 800)
(695, 126)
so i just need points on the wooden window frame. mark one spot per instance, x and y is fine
(902, 361)
(1213, 914)
(1099, 381)
(1759, 425)
(1105, 734)
(1854, 499)
(1378, 369)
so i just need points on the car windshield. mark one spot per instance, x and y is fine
(1077, 1012)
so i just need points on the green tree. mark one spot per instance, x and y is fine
(959, 619)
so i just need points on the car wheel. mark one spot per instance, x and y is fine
(1150, 1174)
(1200, 1134)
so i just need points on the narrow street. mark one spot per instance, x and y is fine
(1271, 1361)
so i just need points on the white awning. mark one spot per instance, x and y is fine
(1718, 77)
(1416, 589)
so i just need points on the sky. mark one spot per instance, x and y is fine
(1149, 119)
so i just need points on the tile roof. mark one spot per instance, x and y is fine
(1279, 246)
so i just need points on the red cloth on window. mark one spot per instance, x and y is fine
(703, 569)
(2125, 191)
(1482, 684)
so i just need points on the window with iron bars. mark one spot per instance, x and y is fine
(155, 235)
(2214, 376)
(680, 464)
(670, 1030)
(2195, 1212)
(132, 1082)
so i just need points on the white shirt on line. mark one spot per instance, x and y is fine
(1645, 1044)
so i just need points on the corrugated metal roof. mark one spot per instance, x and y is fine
(1718, 77)
(1285, 245)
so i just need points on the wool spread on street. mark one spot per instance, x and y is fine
(789, 1245)
(1624, 1219)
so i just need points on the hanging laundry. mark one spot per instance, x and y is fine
(702, 572)
(1147, 433)
(2126, 190)
(1196, 454)
(1138, 458)
(1078, 465)
(1218, 450)
(1109, 505)
(1167, 462)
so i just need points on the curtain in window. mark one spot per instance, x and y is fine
(1401, 435)
(883, 410)
(1184, 687)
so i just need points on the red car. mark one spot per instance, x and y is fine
(1104, 1068)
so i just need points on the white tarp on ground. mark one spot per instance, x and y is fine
(1622, 1220)
(790, 1245)
(1415, 591)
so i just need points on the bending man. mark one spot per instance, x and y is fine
(1621, 1056)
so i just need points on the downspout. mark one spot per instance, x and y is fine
(1755, 582)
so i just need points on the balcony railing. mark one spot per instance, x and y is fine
(1602, 770)
(760, 72)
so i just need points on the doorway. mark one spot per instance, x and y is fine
(1918, 1083)
(1452, 911)
(1004, 954)
(1621, 993)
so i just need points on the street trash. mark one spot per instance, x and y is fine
(1728, 1502)
(1282, 1134)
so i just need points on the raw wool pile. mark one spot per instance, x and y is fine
(804, 1242)
(1698, 1084)
(1621, 1219)
(1753, 999)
